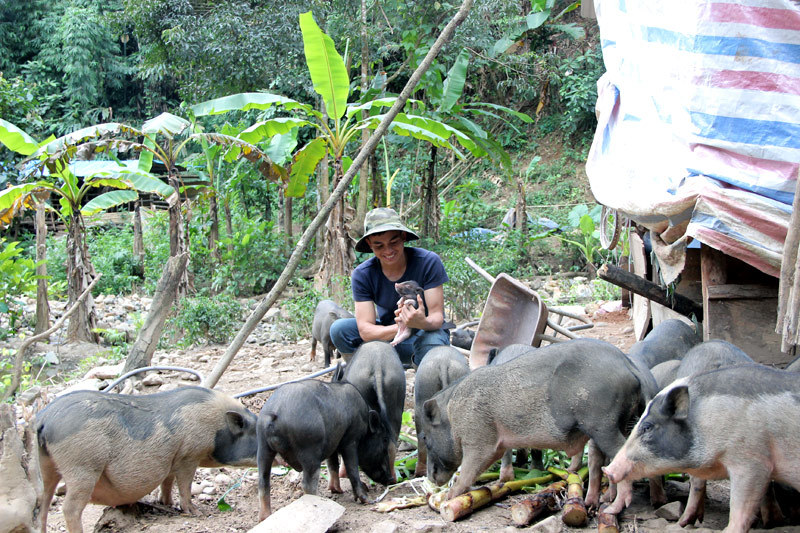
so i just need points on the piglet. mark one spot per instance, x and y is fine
(408, 291)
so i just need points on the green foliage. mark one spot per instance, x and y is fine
(300, 309)
(27, 378)
(578, 90)
(584, 235)
(212, 320)
(17, 277)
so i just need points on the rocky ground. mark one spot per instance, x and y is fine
(267, 359)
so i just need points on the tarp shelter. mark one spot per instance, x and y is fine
(698, 131)
(699, 123)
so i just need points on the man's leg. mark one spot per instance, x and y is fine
(344, 335)
(425, 340)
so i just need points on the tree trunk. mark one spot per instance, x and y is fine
(177, 236)
(430, 200)
(138, 241)
(363, 180)
(19, 470)
(213, 232)
(42, 303)
(287, 221)
(166, 291)
(338, 254)
(378, 191)
(80, 272)
(228, 224)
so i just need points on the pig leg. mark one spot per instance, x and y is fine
(264, 457)
(596, 461)
(574, 462)
(608, 443)
(311, 478)
(166, 490)
(327, 348)
(422, 455)
(474, 463)
(313, 349)
(333, 474)
(696, 504)
(771, 513)
(184, 475)
(658, 496)
(748, 485)
(506, 467)
(350, 460)
(79, 492)
(50, 479)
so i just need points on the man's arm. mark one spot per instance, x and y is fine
(415, 318)
(367, 328)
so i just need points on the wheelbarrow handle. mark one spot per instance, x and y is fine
(479, 270)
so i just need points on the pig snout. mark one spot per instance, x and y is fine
(620, 468)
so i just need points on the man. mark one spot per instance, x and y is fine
(377, 312)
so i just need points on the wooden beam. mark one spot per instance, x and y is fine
(677, 302)
(748, 292)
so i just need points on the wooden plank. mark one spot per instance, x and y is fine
(641, 305)
(747, 292)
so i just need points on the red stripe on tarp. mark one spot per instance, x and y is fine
(752, 218)
(748, 80)
(765, 17)
(779, 171)
(734, 248)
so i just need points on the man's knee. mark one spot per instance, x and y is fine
(427, 340)
(344, 335)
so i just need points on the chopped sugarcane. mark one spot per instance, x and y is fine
(463, 505)
(573, 511)
(606, 522)
(525, 511)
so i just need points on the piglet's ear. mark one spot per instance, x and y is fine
(235, 422)
(432, 412)
(676, 404)
(373, 420)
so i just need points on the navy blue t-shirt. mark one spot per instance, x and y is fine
(371, 285)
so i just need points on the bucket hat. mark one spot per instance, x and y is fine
(379, 220)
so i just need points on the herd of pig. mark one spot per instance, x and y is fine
(672, 404)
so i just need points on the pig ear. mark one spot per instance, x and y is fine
(432, 413)
(677, 403)
(236, 422)
(374, 420)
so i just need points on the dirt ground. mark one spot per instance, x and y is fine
(275, 362)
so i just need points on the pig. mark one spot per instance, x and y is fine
(113, 449)
(441, 366)
(558, 396)
(670, 339)
(793, 365)
(408, 291)
(462, 338)
(665, 373)
(310, 421)
(736, 421)
(377, 373)
(326, 313)
(709, 355)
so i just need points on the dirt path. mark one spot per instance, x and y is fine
(257, 366)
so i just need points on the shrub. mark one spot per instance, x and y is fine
(17, 277)
(299, 310)
(208, 319)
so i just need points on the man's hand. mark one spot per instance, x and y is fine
(411, 317)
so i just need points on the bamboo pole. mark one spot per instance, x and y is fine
(788, 270)
(368, 147)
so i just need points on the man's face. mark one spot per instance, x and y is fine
(387, 246)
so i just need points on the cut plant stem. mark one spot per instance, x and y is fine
(606, 522)
(573, 512)
(527, 510)
(460, 506)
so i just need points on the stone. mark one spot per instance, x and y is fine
(308, 514)
(671, 511)
(105, 372)
(384, 526)
(222, 479)
(209, 490)
(206, 497)
(29, 396)
(428, 526)
(152, 380)
(197, 488)
(551, 524)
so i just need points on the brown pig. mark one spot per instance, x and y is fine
(113, 449)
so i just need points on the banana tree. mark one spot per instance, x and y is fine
(344, 122)
(463, 116)
(61, 183)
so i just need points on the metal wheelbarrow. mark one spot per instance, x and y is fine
(515, 314)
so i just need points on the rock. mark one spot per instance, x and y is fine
(105, 372)
(384, 526)
(51, 358)
(86, 384)
(551, 524)
(272, 314)
(628, 331)
(152, 380)
(203, 359)
(209, 490)
(428, 527)
(222, 479)
(308, 514)
(27, 397)
(294, 476)
(197, 488)
(654, 525)
(671, 511)
(206, 497)
(307, 368)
